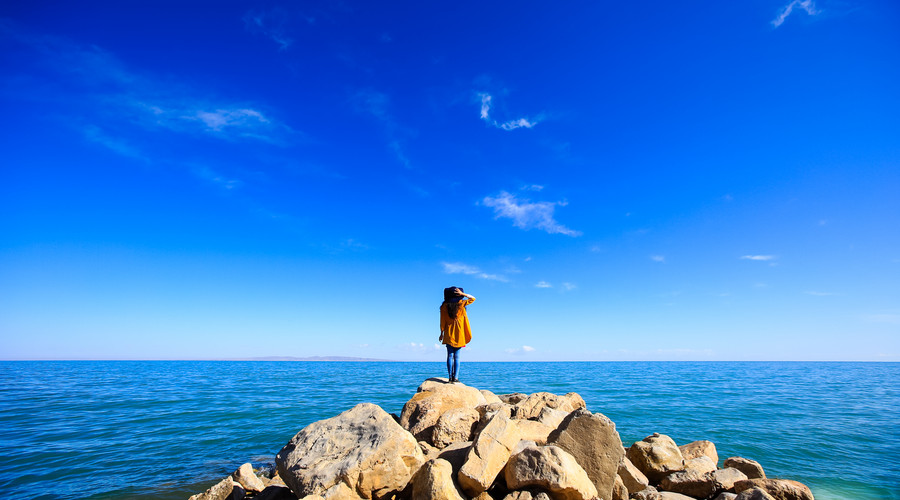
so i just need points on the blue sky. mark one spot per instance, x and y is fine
(612, 181)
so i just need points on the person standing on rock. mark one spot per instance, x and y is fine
(455, 330)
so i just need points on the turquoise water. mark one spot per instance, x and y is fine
(123, 429)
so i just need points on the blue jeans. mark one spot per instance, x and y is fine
(452, 361)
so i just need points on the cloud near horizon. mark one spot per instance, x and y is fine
(527, 215)
(525, 349)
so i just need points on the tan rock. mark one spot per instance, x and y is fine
(656, 456)
(690, 483)
(552, 417)
(428, 451)
(754, 494)
(225, 489)
(549, 468)
(699, 449)
(527, 495)
(482, 496)
(362, 448)
(632, 477)
(490, 397)
(592, 439)
(512, 398)
(533, 430)
(670, 495)
(619, 492)
(455, 425)
(456, 454)
(422, 411)
(780, 489)
(339, 491)
(726, 478)
(434, 481)
(247, 478)
(488, 455)
(749, 467)
(530, 407)
(648, 493)
(701, 464)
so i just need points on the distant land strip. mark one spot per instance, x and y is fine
(310, 358)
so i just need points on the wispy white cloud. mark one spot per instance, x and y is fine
(120, 146)
(532, 187)
(758, 257)
(526, 214)
(460, 268)
(543, 284)
(658, 258)
(272, 24)
(377, 104)
(569, 286)
(806, 5)
(486, 100)
(525, 349)
(210, 175)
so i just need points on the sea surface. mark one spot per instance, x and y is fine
(161, 429)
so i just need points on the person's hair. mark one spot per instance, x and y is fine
(452, 299)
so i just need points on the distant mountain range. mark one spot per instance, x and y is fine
(311, 358)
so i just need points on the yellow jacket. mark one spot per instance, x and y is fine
(456, 333)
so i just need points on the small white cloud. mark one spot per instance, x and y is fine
(527, 215)
(271, 24)
(460, 268)
(758, 257)
(520, 350)
(806, 5)
(532, 187)
(414, 347)
(507, 125)
(221, 118)
(658, 258)
(569, 286)
(543, 284)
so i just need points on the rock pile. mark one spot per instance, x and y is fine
(454, 442)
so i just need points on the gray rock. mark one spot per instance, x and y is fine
(454, 425)
(593, 441)
(513, 398)
(749, 467)
(690, 483)
(701, 464)
(725, 496)
(648, 493)
(362, 450)
(726, 478)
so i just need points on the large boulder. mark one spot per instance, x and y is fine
(656, 456)
(488, 454)
(551, 469)
(632, 477)
(699, 449)
(226, 489)
(489, 396)
(532, 430)
(780, 489)
(530, 407)
(434, 481)
(455, 425)
(433, 399)
(749, 467)
(362, 450)
(552, 417)
(592, 439)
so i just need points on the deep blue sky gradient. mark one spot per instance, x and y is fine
(196, 180)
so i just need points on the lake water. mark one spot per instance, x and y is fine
(159, 429)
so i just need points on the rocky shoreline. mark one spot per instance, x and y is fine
(455, 442)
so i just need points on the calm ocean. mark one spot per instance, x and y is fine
(159, 429)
